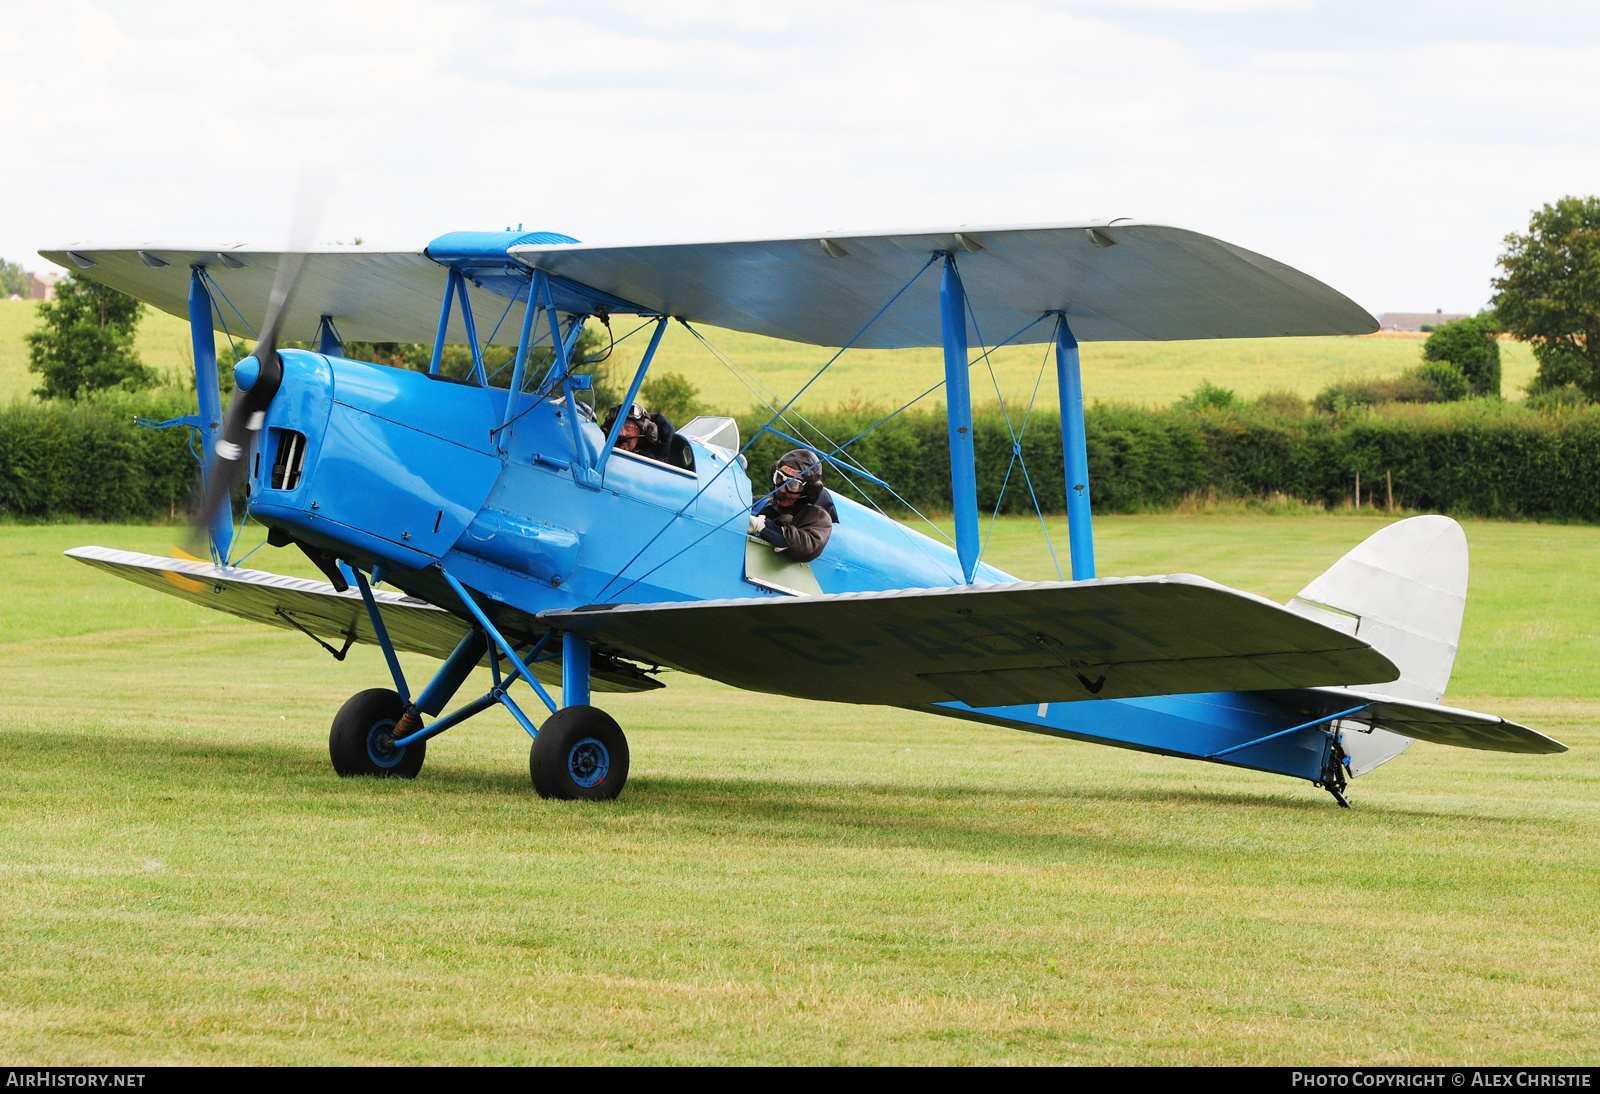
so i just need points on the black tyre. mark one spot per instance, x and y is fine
(362, 739)
(580, 753)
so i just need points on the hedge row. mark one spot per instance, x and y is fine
(1483, 458)
(91, 460)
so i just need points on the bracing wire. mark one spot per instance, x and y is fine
(489, 343)
(779, 416)
(1032, 493)
(740, 373)
(755, 387)
(1016, 435)
(752, 385)
(490, 340)
(776, 417)
(232, 346)
(213, 283)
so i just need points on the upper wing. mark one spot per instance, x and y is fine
(1116, 281)
(414, 626)
(990, 645)
(373, 296)
(1124, 282)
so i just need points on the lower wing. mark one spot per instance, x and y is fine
(313, 607)
(987, 645)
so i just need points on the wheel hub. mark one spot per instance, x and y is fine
(380, 745)
(589, 762)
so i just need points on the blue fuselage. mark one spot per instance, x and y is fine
(409, 470)
(386, 466)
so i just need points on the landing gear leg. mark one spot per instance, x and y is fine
(580, 751)
(1333, 777)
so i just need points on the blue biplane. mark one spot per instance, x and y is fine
(514, 532)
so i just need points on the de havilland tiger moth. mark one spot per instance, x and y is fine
(512, 530)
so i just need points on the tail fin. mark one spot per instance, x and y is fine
(1403, 591)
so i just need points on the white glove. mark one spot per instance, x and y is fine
(757, 523)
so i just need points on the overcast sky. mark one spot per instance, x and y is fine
(1384, 147)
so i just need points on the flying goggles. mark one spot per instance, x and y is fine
(785, 479)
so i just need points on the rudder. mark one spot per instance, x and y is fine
(1403, 591)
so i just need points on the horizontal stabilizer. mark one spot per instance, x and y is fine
(989, 645)
(1423, 721)
(293, 603)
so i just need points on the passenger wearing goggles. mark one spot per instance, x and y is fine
(798, 516)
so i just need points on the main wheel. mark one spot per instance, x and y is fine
(580, 753)
(362, 739)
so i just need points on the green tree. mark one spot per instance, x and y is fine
(1209, 396)
(14, 280)
(1469, 345)
(1550, 294)
(671, 394)
(87, 341)
(1448, 382)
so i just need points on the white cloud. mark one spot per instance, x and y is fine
(1388, 158)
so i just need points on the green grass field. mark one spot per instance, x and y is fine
(188, 882)
(1151, 373)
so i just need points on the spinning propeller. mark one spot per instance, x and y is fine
(256, 380)
(256, 377)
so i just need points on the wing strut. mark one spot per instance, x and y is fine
(515, 393)
(329, 341)
(208, 387)
(633, 393)
(457, 284)
(958, 400)
(958, 403)
(1074, 452)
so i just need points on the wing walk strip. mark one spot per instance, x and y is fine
(989, 645)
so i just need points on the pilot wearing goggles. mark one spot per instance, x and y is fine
(649, 435)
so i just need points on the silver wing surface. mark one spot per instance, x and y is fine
(1117, 281)
(373, 296)
(293, 603)
(990, 645)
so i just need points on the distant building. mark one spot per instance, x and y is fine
(42, 286)
(1416, 321)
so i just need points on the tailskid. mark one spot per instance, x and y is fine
(1333, 773)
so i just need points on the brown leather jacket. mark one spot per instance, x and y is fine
(804, 529)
